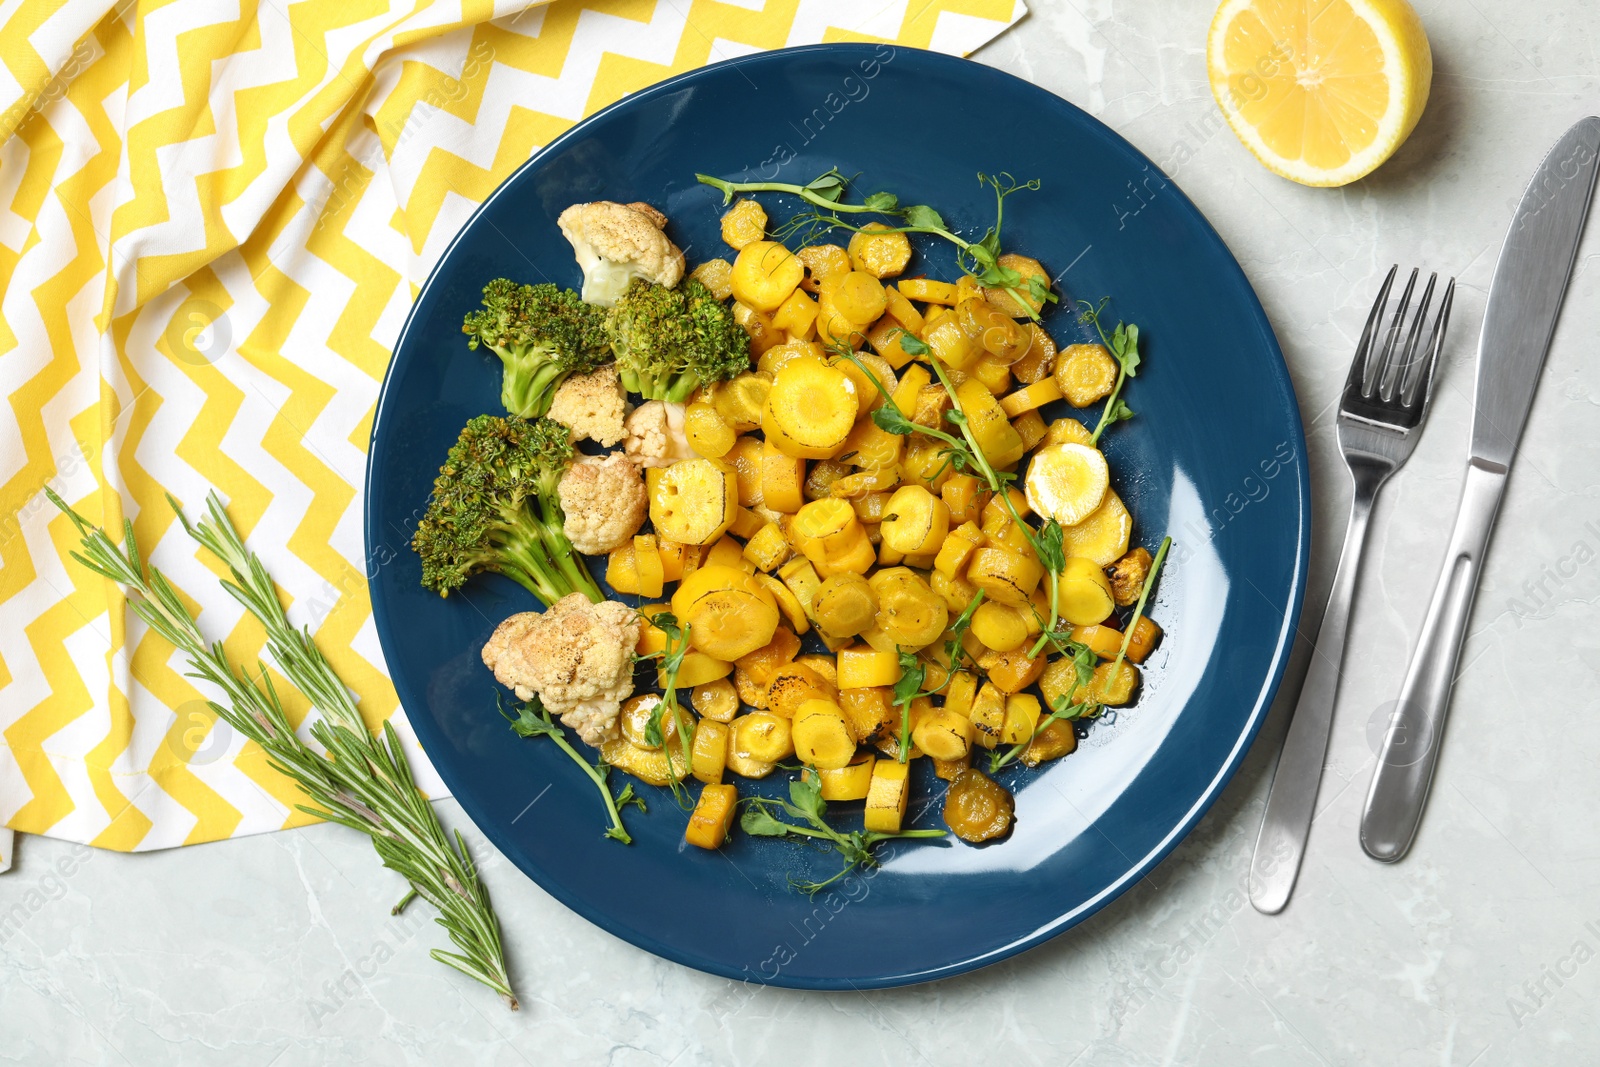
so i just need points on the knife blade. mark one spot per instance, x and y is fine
(1530, 281)
(1525, 296)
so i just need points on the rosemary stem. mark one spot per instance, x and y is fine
(363, 782)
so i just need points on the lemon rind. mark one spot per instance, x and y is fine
(1408, 76)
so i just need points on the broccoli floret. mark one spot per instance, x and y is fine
(495, 507)
(670, 341)
(541, 334)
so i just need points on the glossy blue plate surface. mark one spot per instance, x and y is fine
(1215, 456)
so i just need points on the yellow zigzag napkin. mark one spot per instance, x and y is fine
(210, 235)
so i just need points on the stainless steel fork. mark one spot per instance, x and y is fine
(1380, 418)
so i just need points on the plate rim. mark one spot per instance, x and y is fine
(423, 727)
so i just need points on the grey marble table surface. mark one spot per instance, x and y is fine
(1480, 948)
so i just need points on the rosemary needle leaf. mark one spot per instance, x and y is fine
(363, 782)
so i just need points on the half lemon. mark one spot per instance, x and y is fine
(1321, 91)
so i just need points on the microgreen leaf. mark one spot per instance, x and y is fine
(1039, 290)
(528, 722)
(1125, 348)
(891, 419)
(1117, 411)
(906, 690)
(1051, 551)
(954, 649)
(758, 822)
(913, 345)
(671, 662)
(881, 202)
(998, 277)
(628, 796)
(1123, 344)
(1083, 665)
(910, 681)
(805, 793)
(924, 217)
(829, 185)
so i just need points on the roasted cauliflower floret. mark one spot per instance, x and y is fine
(655, 435)
(605, 502)
(592, 406)
(616, 243)
(577, 657)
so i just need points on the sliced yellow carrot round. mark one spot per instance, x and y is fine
(810, 410)
(764, 274)
(821, 737)
(1103, 536)
(909, 611)
(1066, 482)
(1084, 593)
(729, 623)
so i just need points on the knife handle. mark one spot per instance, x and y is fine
(1416, 731)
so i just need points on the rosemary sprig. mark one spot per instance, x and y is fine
(805, 802)
(533, 720)
(825, 194)
(363, 782)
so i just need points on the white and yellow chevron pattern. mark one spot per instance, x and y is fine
(213, 219)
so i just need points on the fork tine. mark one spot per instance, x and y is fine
(1419, 391)
(1363, 357)
(1409, 365)
(1379, 384)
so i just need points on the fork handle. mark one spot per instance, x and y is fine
(1292, 798)
(1411, 746)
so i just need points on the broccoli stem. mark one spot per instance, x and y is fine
(528, 384)
(680, 386)
(560, 549)
(674, 390)
(523, 559)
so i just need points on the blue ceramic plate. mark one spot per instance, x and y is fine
(1215, 456)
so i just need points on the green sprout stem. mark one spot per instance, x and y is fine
(730, 189)
(906, 691)
(1123, 344)
(805, 803)
(980, 258)
(1051, 561)
(671, 662)
(1138, 608)
(971, 452)
(1064, 709)
(533, 720)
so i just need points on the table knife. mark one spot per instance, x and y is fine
(1530, 280)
